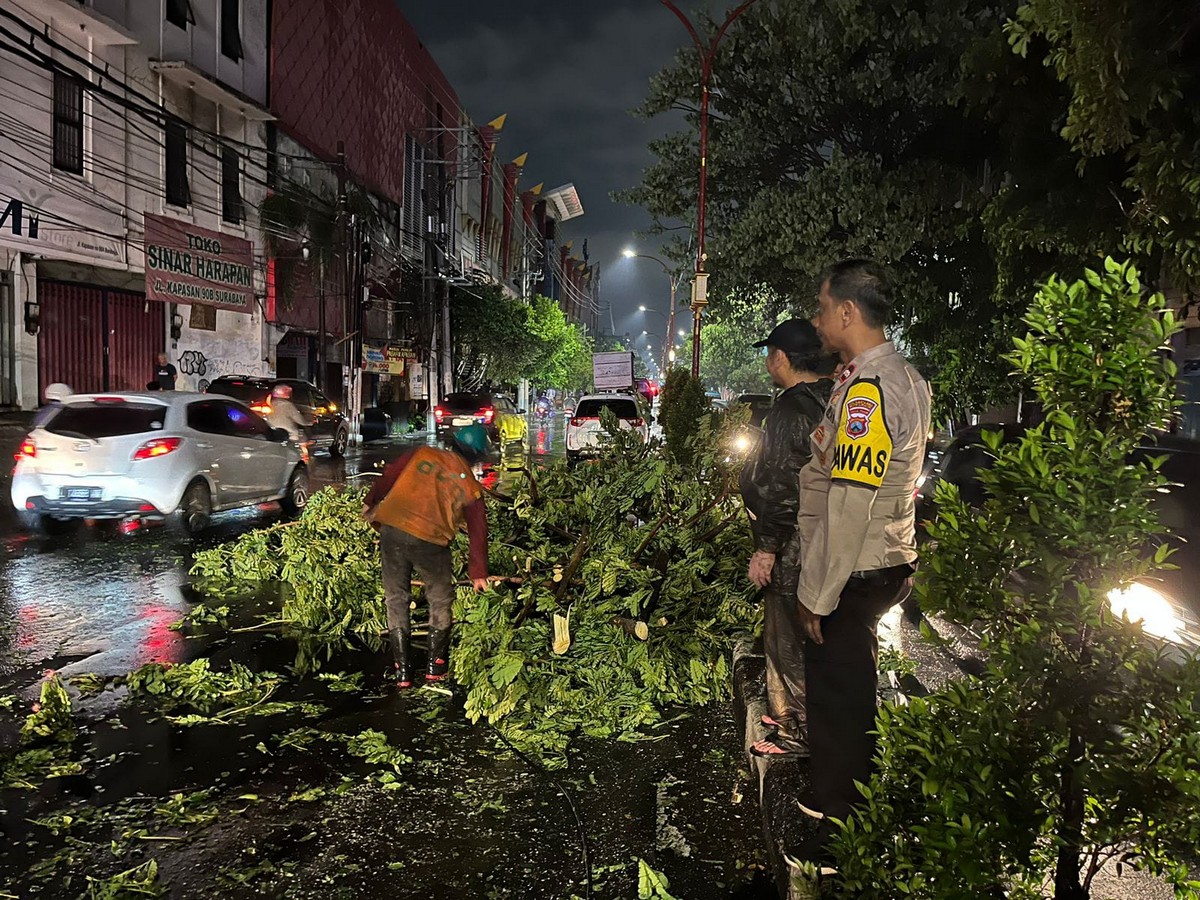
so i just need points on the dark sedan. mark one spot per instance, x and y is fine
(1169, 602)
(330, 430)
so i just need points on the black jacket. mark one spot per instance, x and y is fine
(770, 482)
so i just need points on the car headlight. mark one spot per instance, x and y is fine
(1158, 615)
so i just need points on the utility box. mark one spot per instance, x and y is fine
(613, 371)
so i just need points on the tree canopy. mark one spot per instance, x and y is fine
(973, 146)
(499, 339)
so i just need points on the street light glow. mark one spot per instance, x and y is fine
(629, 253)
(641, 309)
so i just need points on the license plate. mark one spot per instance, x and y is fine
(80, 494)
(464, 420)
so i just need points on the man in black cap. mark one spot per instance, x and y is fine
(771, 489)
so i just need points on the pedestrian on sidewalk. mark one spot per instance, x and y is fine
(423, 499)
(164, 373)
(771, 490)
(856, 526)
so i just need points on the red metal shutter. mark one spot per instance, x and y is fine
(136, 335)
(71, 338)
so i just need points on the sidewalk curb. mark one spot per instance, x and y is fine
(786, 832)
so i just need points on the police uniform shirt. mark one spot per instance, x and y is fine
(857, 504)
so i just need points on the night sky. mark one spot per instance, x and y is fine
(568, 75)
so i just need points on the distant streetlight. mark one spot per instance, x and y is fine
(707, 57)
(674, 277)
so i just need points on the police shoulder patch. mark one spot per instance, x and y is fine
(864, 445)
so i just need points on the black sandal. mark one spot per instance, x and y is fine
(775, 746)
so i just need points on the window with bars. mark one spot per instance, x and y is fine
(231, 185)
(177, 190)
(231, 35)
(179, 13)
(68, 123)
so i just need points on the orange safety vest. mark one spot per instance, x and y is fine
(428, 499)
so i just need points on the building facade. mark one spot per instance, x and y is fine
(112, 112)
(158, 136)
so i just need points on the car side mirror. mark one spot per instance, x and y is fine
(280, 435)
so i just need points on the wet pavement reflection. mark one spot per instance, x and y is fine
(471, 819)
(100, 600)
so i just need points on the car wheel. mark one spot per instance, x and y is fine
(195, 510)
(48, 525)
(338, 448)
(296, 498)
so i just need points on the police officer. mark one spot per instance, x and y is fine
(771, 490)
(856, 526)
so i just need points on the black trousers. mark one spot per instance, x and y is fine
(783, 644)
(401, 553)
(842, 682)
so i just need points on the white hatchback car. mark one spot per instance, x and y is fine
(174, 456)
(584, 431)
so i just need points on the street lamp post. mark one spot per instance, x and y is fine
(707, 56)
(671, 277)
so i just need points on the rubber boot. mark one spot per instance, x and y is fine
(439, 654)
(402, 656)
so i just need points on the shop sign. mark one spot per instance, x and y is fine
(36, 221)
(390, 359)
(189, 264)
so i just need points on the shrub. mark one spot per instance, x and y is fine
(1079, 744)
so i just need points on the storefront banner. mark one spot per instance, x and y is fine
(35, 218)
(189, 264)
(385, 360)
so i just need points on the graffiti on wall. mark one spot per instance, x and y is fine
(203, 370)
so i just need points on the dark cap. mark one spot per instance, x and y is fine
(794, 336)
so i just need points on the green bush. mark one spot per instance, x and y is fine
(1079, 744)
(683, 407)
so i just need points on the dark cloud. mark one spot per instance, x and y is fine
(568, 75)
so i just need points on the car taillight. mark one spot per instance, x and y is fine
(157, 447)
(488, 413)
(28, 449)
(263, 409)
(439, 414)
(576, 423)
(637, 423)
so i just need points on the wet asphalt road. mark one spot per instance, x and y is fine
(101, 601)
(470, 821)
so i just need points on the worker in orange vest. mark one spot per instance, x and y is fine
(423, 499)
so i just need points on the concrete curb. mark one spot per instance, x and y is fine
(787, 831)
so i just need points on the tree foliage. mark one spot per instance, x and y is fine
(500, 339)
(684, 406)
(1078, 744)
(932, 138)
(728, 360)
(622, 549)
(1132, 70)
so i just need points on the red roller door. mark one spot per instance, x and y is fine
(97, 339)
(135, 337)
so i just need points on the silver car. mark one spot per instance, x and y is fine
(173, 456)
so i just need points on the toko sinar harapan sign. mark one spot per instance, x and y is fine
(189, 264)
